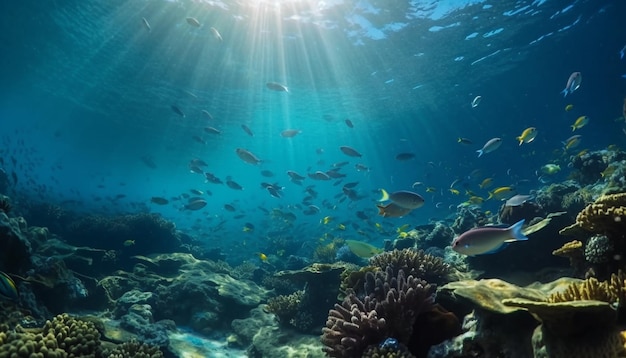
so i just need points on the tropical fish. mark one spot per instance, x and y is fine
(486, 183)
(319, 175)
(476, 101)
(362, 249)
(454, 191)
(229, 207)
(198, 162)
(128, 243)
(550, 169)
(146, 24)
(573, 83)
(517, 200)
(392, 210)
(195, 205)
(211, 178)
(580, 122)
(326, 219)
(349, 151)
(193, 21)
(248, 227)
(262, 257)
(361, 167)
(464, 141)
(528, 135)
(159, 200)
(247, 156)
(247, 130)
(572, 142)
(404, 198)
(487, 239)
(349, 123)
(212, 130)
(8, 288)
(274, 86)
(290, 133)
(501, 193)
(608, 171)
(405, 156)
(177, 110)
(233, 184)
(490, 146)
(216, 34)
(569, 107)
(267, 173)
(207, 114)
(196, 192)
(295, 176)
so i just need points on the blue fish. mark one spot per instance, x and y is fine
(488, 239)
(8, 289)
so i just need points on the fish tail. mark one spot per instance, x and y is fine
(516, 231)
(381, 210)
(480, 152)
(521, 140)
(564, 93)
(385, 195)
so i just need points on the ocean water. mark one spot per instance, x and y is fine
(86, 92)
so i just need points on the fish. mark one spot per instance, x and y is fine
(159, 200)
(464, 141)
(488, 239)
(325, 220)
(528, 135)
(216, 34)
(361, 167)
(247, 156)
(349, 151)
(196, 192)
(128, 243)
(229, 207)
(403, 198)
(569, 107)
(486, 183)
(517, 200)
(295, 176)
(207, 114)
(392, 210)
(454, 191)
(195, 205)
(267, 173)
(573, 83)
(177, 110)
(490, 146)
(193, 21)
(262, 257)
(146, 24)
(572, 142)
(580, 122)
(212, 130)
(351, 185)
(405, 156)
(290, 133)
(550, 169)
(247, 130)
(233, 184)
(362, 249)
(608, 171)
(501, 193)
(8, 288)
(476, 101)
(275, 86)
(248, 227)
(349, 123)
(622, 52)
(198, 162)
(319, 175)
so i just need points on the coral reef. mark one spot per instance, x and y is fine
(5, 205)
(389, 309)
(599, 249)
(606, 215)
(467, 218)
(414, 263)
(291, 310)
(574, 251)
(134, 349)
(390, 348)
(527, 211)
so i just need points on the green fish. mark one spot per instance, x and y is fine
(8, 289)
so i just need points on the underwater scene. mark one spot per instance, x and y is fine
(313, 178)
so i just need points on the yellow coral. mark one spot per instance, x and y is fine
(569, 249)
(612, 291)
(606, 215)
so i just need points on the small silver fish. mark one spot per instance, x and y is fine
(573, 83)
(216, 34)
(517, 200)
(247, 156)
(349, 151)
(275, 86)
(193, 21)
(490, 146)
(146, 24)
(290, 133)
(476, 101)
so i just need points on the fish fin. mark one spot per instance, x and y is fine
(516, 232)
(480, 152)
(385, 195)
(381, 210)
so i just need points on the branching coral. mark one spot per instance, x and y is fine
(606, 215)
(415, 263)
(389, 309)
(285, 307)
(612, 291)
(573, 250)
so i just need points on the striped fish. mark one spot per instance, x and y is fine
(8, 289)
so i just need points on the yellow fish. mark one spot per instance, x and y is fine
(569, 107)
(454, 191)
(263, 257)
(475, 200)
(129, 243)
(528, 135)
(572, 142)
(431, 189)
(503, 192)
(341, 227)
(379, 226)
(580, 122)
(325, 220)
(362, 249)
(486, 183)
(608, 171)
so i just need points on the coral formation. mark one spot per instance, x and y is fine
(415, 263)
(5, 206)
(612, 291)
(599, 249)
(606, 215)
(389, 309)
(134, 349)
(467, 218)
(287, 308)
(573, 250)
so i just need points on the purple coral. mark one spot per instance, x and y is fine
(389, 309)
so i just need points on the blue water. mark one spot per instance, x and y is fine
(86, 91)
